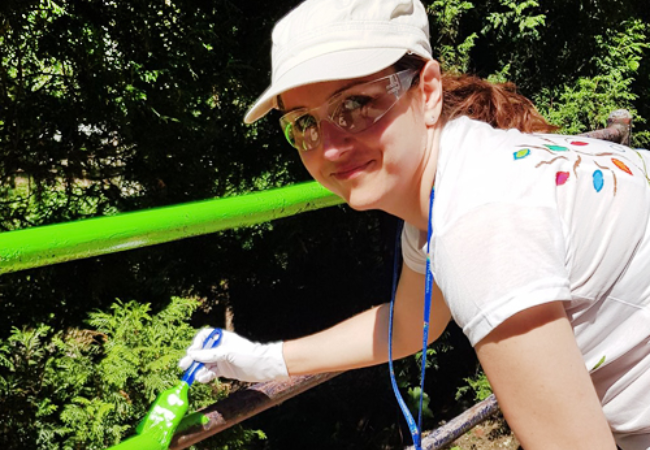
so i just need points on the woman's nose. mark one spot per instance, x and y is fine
(336, 142)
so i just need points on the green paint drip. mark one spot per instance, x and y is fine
(42, 246)
(599, 363)
(156, 430)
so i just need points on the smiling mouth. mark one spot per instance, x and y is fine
(348, 173)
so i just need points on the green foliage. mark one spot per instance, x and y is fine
(590, 62)
(587, 102)
(108, 107)
(130, 104)
(453, 49)
(413, 402)
(514, 24)
(478, 385)
(408, 372)
(88, 388)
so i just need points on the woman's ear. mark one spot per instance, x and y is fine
(431, 89)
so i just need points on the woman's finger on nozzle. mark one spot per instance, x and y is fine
(199, 339)
(209, 355)
(185, 362)
(205, 375)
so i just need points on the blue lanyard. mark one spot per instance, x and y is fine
(414, 428)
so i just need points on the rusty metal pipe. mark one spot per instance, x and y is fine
(459, 425)
(619, 126)
(244, 404)
(253, 400)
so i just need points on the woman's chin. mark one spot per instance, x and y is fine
(362, 201)
(362, 195)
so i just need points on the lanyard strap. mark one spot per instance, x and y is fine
(414, 428)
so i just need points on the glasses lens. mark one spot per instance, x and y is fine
(287, 129)
(302, 131)
(352, 110)
(363, 105)
(358, 112)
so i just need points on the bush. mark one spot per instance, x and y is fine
(88, 388)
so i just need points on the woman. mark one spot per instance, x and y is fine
(539, 244)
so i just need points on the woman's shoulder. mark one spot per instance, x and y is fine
(481, 166)
(478, 163)
(508, 162)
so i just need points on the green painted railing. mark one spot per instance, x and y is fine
(42, 246)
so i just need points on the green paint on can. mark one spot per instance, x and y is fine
(157, 429)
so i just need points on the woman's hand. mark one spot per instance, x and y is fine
(236, 358)
(360, 341)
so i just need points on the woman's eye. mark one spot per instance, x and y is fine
(304, 122)
(355, 102)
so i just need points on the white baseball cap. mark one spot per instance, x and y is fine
(324, 40)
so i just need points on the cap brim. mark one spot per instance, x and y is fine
(341, 65)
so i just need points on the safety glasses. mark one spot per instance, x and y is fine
(352, 110)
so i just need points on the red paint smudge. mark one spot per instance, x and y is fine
(561, 178)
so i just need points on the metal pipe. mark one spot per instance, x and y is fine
(459, 425)
(52, 244)
(248, 402)
(240, 406)
(619, 126)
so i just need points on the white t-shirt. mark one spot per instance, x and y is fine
(521, 220)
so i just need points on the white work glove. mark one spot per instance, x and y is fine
(235, 357)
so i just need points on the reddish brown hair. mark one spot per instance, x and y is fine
(498, 104)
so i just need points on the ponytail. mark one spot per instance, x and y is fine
(498, 104)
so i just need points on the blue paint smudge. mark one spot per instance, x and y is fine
(598, 180)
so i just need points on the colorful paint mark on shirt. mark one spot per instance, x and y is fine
(618, 163)
(575, 152)
(556, 148)
(599, 363)
(599, 180)
(561, 178)
(521, 154)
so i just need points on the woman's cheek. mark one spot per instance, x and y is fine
(311, 162)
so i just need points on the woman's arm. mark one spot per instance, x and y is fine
(540, 379)
(363, 340)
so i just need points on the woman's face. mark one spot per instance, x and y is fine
(372, 168)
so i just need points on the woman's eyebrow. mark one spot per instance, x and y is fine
(347, 86)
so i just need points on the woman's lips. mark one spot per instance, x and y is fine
(349, 171)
